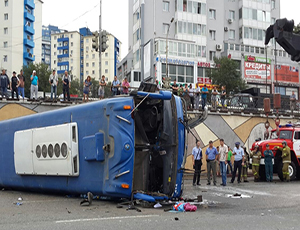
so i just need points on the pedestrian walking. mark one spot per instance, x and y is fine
(4, 83)
(125, 86)
(115, 86)
(197, 163)
(211, 156)
(34, 85)
(245, 166)
(214, 99)
(229, 164)
(191, 95)
(66, 79)
(197, 97)
(223, 151)
(286, 160)
(87, 88)
(21, 84)
(14, 84)
(255, 155)
(269, 163)
(238, 154)
(204, 93)
(101, 89)
(223, 96)
(53, 81)
(175, 88)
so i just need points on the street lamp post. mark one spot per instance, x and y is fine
(167, 47)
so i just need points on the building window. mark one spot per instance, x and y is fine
(71, 60)
(93, 72)
(106, 62)
(165, 28)
(166, 6)
(6, 3)
(5, 30)
(212, 14)
(232, 14)
(273, 5)
(54, 53)
(106, 71)
(87, 56)
(5, 44)
(212, 55)
(71, 43)
(71, 52)
(93, 64)
(5, 58)
(93, 56)
(87, 40)
(136, 36)
(87, 64)
(231, 34)
(71, 35)
(212, 34)
(54, 45)
(106, 54)
(5, 16)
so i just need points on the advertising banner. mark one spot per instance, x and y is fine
(285, 73)
(256, 72)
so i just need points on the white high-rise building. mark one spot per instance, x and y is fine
(20, 33)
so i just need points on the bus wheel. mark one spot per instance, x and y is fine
(292, 171)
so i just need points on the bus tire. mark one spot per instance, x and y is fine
(292, 171)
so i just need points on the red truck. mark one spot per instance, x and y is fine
(289, 133)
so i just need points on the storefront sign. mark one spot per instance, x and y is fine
(257, 59)
(288, 74)
(256, 72)
(206, 65)
(175, 61)
(204, 80)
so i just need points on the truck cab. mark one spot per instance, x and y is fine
(289, 133)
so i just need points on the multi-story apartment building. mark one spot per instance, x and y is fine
(202, 30)
(72, 51)
(46, 42)
(20, 33)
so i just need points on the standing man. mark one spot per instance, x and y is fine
(53, 80)
(14, 84)
(102, 85)
(4, 83)
(34, 85)
(223, 96)
(255, 155)
(214, 101)
(229, 164)
(211, 156)
(125, 86)
(286, 160)
(204, 93)
(197, 96)
(269, 163)
(293, 101)
(21, 84)
(223, 151)
(175, 88)
(115, 86)
(238, 153)
(66, 79)
(245, 166)
(191, 94)
(197, 163)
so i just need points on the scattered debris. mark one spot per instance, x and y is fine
(158, 205)
(176, 218)
(237, 195)
(68, 210)
(262, 214)
(190, 208)
(18, 203)
(199, 198)
(20, 199)
(88, 200)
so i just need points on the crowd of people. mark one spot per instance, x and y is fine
(223, 156)
(16, 84)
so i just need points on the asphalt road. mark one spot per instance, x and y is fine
(263, 206)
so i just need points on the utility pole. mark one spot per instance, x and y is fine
(100, 45)
(142, 38)
(167, 48)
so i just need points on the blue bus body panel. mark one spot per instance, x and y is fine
(97, 176)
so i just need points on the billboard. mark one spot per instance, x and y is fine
(147, 60)
(256, 72)
(285, 73)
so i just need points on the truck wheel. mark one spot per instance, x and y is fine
(262, 172)
(292, 171)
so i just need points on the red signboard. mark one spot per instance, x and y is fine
(287, 74)
(204, 64)
(256, 72)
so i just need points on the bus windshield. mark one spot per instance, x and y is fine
(285, 134)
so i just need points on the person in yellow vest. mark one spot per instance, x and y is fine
(286, 160)
(255, 155)
(245, 166)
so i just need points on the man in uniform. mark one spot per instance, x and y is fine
(255, 155)
(239, 158)
(268, 163)
(197, 163)
(245, 166)
(211, 155)
(286, 160)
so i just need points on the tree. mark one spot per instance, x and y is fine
(226, 73)
(43, 74)
(297, 29)
(76, 88)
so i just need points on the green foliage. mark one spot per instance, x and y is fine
(226, 73)
(76, 88)
(43, 74)
(297, 29)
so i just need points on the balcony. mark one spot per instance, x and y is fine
(29, 30)
(29, 17)
(29, 3)
(63, 63)
(65, 39)
(28, 43)
(63, 56)
(29, 56)
(63, 47)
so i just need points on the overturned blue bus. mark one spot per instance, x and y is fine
(115, 147)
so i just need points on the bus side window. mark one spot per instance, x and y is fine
(74, 133)
(297, 136)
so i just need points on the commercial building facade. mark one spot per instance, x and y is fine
(20, 33)
(204, 29)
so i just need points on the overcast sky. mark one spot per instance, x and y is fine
(71, 15)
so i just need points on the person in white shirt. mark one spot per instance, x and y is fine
(53, 80)
(197, 97)
(197, 162)
(223, 151)
(191, 94)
